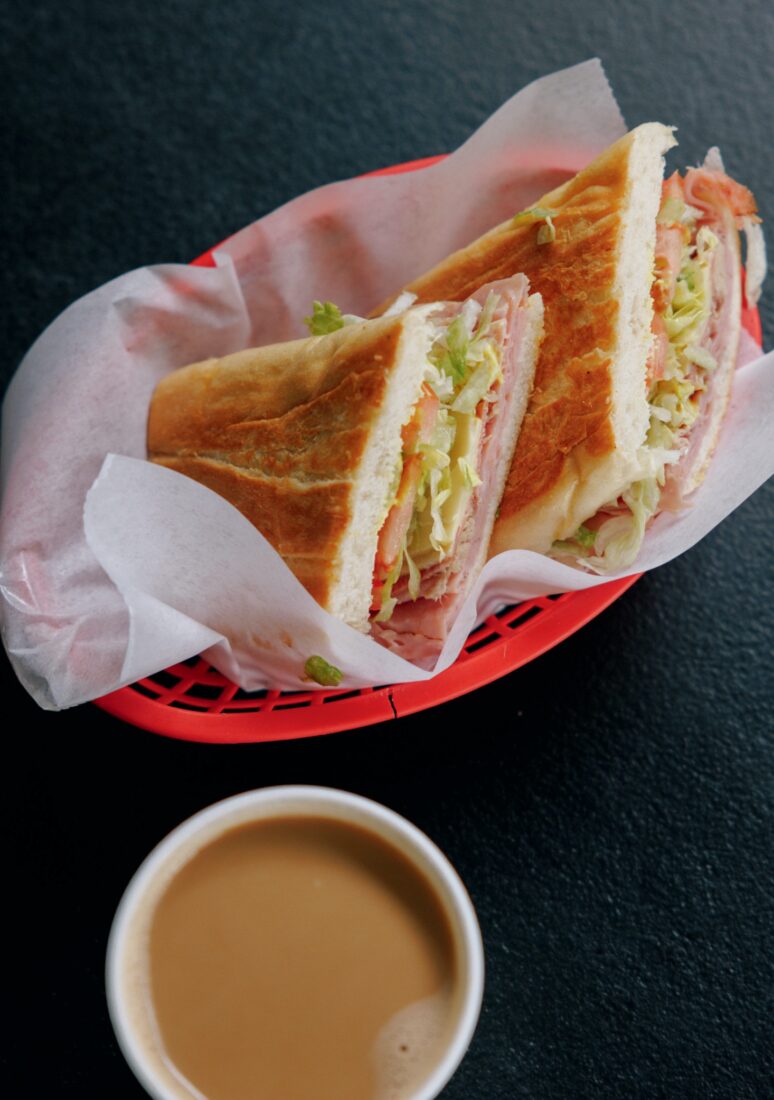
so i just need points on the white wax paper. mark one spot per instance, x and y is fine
(113, 568)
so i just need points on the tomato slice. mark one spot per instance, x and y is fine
(672, 188)
(422, 424)
(670, 238)
(420, 429)
(669, 255)
(658, 350)
(398, 518)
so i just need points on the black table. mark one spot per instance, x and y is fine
(610, 805)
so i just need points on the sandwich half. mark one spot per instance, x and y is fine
(641, 282)
(371, 458)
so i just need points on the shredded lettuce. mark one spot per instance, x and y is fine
(434, 458)
(319, 670)
(469, 474)
(465, 342)
(533, 213)
(413, 574)
(674, 407)
(469, 355)
(441, 383)
(452, 350)
(445, 430)
(326, 317)
(619, 538)
(435, 484)
(439, 491)
(480, 382)
(387, 601)
(685, 320)
(582, 540)
(701, 357)
(585, 537)
(546, 234)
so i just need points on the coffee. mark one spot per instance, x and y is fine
(300, 958)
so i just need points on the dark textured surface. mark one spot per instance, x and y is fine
(609, 806)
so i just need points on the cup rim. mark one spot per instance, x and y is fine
(422, 851)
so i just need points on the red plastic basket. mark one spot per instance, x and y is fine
(193, 702)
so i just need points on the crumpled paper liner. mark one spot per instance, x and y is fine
(113, 568)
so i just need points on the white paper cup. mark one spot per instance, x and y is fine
(126, 974)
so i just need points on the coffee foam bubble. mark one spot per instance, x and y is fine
(410, 1045)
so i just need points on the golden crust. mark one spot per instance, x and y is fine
(279, 432)
(305, 523)
(568, 423)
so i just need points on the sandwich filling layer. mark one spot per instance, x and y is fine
(456, 447)
(456, 456)
(695, 330)
(442, 444)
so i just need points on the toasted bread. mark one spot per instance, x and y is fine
(593, 265)
(303, 438)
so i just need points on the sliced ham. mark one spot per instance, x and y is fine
(717, 203)
(714, 194)
(722, 204)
